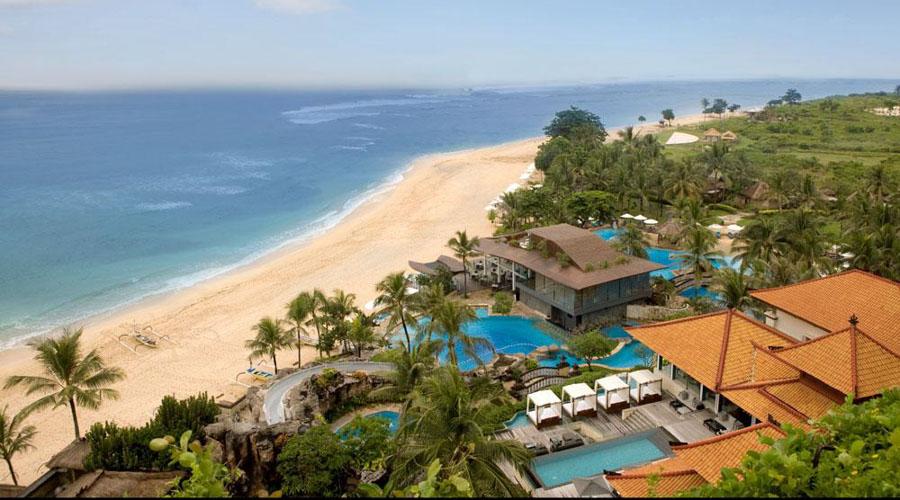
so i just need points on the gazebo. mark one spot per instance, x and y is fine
(712, 135)
(645, 386)
(729, 136)
(614, 397)
(670, 229)
(543, 408)
(578, 400)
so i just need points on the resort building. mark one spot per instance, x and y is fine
(443, 264)
(817, 307)
(567, 273)
(755, 377)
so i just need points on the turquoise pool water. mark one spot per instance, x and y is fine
(392, 417)
(521, 335)
(703, 291)
(560, 468)
(520, 419)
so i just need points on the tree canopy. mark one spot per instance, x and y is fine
(574, 123)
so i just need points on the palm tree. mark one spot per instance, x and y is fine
(271, 337)
(446, 422)
(761, 239)
(395, 300)
(449, 319)
(299, 311)
(683, 181)
(733, 286)
(426, 304)
(699, 253)
(14, 438)
(464, 248)
(338, 309)
(410, 367)
(631, 241)
(318, 300)
(70, 378)
(361, 333)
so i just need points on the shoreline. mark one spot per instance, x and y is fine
(411, 219)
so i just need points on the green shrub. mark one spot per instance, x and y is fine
(315, 463)
(503, 303)
(125, 448)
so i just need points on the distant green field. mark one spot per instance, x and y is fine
(834, 139)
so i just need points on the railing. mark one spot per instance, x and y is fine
(543, 384)
(538, 373)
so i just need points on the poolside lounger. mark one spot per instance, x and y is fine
(536, 449)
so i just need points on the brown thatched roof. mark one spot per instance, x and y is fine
(757, 191)
(712, 133)
(670, 228)
(584, 249)
(110, 484)
(442, 262)
(71, 457)
(729, 136)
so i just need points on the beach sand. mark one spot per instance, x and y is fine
(210, 321)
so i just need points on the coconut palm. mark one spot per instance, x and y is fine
(631, 241)
(449, 319)
(271, 337)
(426, 304)
(410, 367)
(337, 311)
(698, 254)
(396, 301)
(299, 311)
(733, 286)
(683, 181)
(69, 378)
(14, 438)
(464, 247)
(446, 421)
(761, 239)
(318, 301)
(361, 333)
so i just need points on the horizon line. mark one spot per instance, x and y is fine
(388, 87)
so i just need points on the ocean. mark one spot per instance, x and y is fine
(109, 197)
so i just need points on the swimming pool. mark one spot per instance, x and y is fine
(694, 292)
(562, 467)
(520, 419)
(521, 335)
(669, 258)
(392, 417)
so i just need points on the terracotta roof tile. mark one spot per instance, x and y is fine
(799, 396)
(829, 302)
(668, 485)
(711, 348)
(763, 406)
(850, 361)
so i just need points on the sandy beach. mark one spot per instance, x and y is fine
(440, 194)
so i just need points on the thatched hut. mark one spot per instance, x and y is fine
(729, 136)
(712, 135)
(670, 230)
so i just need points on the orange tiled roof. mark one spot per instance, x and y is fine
(828, 303)
(694, 464)
(668, 484)
(715, 349)
(850, 361)
(764, 406)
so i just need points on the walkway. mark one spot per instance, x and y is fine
(273, 405)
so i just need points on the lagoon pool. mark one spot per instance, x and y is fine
(562, 467)
(392, 417)
(694, 292)
(520, 419)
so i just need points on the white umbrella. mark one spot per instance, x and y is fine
(735, 228)
(651, 222)
(640, 218)
(627, 215)
(370, 305)
(410, 290)
(714, 227)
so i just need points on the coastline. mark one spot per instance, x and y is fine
(407, 220)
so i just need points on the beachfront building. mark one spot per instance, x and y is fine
(813, 308)
(443, 264)
(567, 273)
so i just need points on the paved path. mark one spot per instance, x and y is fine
(273, 406)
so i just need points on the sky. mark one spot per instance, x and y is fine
(101, 44)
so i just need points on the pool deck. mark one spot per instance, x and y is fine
(686, 428)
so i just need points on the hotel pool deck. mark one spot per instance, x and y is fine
(562, 467)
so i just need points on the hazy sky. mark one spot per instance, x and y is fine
(431, 43)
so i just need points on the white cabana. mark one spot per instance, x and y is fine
(640, 218)
(612, 393)
(651, 222)
(645, 386)
(734, 228)
(626, 215)
(543, 408)
(578, 400)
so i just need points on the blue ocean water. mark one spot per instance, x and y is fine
(109, 197)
